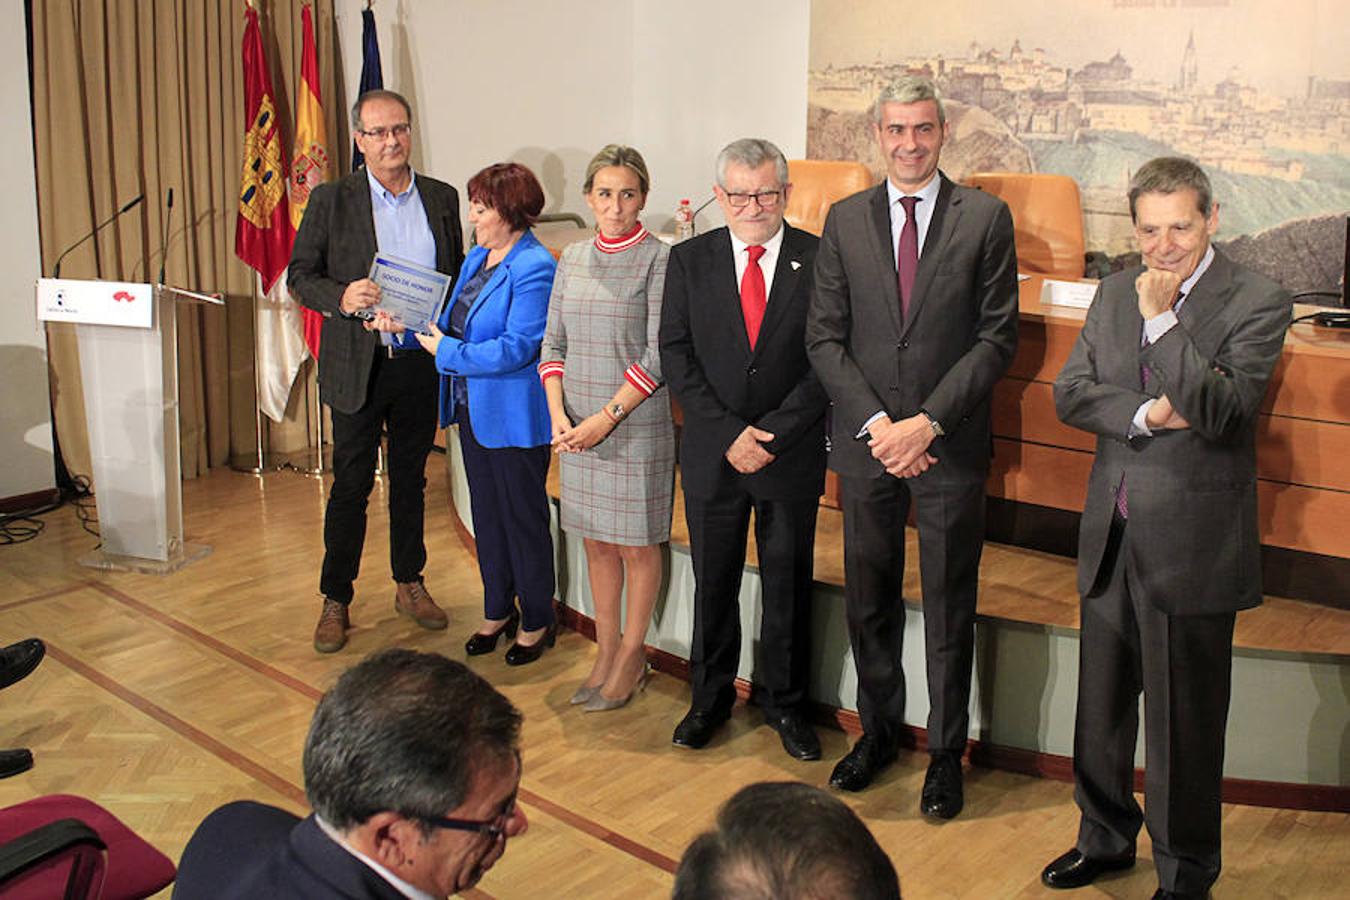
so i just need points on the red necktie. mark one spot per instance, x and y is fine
(753, 299)
(907, 259)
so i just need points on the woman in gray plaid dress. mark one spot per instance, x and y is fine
(611, 418)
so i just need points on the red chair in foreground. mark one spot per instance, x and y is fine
(61, 846)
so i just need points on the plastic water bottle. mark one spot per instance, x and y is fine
(684, 220)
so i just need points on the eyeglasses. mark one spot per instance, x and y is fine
(380, 132)
(493, 828)
(764, 199)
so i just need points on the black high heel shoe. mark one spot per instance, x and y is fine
(479, 644)
(521, 655)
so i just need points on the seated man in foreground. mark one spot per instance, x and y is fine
(785, 840)
(411, 765)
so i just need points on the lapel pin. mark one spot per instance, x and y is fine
(795, 265)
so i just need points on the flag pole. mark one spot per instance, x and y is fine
(262, 462)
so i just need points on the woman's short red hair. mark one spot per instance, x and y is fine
(512, 191)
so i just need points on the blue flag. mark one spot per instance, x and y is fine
(372, 76)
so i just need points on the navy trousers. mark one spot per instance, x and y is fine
(509, 503)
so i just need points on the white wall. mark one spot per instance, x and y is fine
(548, 84)
(25, 411)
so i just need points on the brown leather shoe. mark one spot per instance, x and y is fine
(413, 601)
(330, 635)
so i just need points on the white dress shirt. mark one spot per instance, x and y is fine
(767, 263)
(923, 213)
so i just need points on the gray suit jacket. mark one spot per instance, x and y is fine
(1191, 492)
(959, 340)
(334, 247)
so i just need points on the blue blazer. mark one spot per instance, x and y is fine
(500, 349)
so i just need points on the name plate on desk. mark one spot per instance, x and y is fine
(123, 303)
(1068, 293)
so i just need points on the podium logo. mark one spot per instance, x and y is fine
(123, 295)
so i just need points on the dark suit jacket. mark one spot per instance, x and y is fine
(250, 851)
(723, 386)
(334, 247)
(961, 333)
(1191, 492)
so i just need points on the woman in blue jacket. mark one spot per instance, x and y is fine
(486, 349)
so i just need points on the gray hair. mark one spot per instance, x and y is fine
(617, 155)
(909, 89)
(1169, 174)
(378, 94)
(751, 153)
(404, 732)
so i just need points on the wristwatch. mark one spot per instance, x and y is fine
(933, 423)
(616, 412)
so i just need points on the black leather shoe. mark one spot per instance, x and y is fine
(523, 654)
(12, 762)
(1161, 894)
(479, 644)
(1074, 870)
(697, 728)
(861, 764)
(17, 661)
(799, 739)
(942, 796)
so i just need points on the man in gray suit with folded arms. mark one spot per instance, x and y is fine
(1168, 372)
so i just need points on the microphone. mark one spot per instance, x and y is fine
(127, 207)
(164, 236)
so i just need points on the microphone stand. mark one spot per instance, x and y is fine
(164, 236)
(127, 207)
(693, 219)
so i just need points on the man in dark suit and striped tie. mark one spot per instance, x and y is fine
(914, 319)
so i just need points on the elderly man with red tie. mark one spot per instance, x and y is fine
(733, 354)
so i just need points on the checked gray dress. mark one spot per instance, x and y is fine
(603, 318)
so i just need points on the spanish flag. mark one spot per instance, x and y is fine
(310, 164)
(262, 229)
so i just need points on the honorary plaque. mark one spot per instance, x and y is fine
(411, 294)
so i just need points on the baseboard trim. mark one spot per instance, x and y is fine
(1272, 794)
(20, 502)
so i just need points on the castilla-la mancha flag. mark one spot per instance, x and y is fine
(263, 233)
(310, 163)
(262, 230)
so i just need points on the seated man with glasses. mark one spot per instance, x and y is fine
(412, 766)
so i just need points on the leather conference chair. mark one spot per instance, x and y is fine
(817, 184)
(64, 846)
(1047, 216)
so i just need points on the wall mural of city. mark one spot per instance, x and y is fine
(1258, 91)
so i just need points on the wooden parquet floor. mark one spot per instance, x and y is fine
(162, 698)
